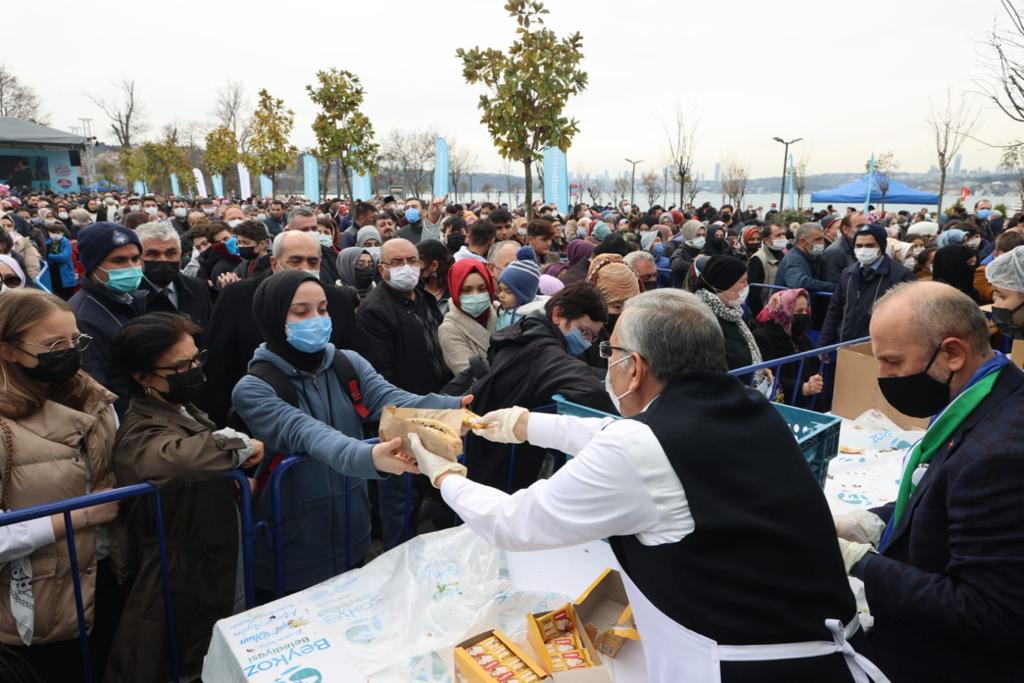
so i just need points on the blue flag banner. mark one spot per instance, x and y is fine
(175, 188)
(218, 185)
(200, 182)
(140, 187)
(311, 177)
(266, 187)
(362, 188)
(440, 168)
(244, 183)
(556, 179)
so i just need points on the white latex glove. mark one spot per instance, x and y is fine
(853, 552)
(431, 464)
(860, 526)
(499, 425)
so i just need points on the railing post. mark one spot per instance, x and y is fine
(76, 580)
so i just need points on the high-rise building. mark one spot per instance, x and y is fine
(956, 164)
(718, 172)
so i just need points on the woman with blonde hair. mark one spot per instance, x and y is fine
(57, 430)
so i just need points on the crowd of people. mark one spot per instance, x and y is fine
(169, 340)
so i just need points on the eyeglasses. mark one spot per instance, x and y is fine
(604, 349)
(62, 346)
(398, 263)
(197, 361)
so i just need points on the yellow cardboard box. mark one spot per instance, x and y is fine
(606, 613)
(467, 670)
(598, 673)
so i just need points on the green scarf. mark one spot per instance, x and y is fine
(940, 430)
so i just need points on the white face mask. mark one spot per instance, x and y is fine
(325, 240)
(134, 207)
(151, 210)
(697, 243)
(615, 399)
(521, 232)
(63, 215)
(626, 208)
(234, 222)
(866, 255)
(738, 301)
(180, 212)
(818, 249)
(779, 244)
(975, 243)
(209, 210)
(261, 216)
(405, 278)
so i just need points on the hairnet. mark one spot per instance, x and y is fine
(1007, 271)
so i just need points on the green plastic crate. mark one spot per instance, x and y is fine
(815, 433)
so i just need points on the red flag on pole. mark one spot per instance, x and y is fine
(964, 191)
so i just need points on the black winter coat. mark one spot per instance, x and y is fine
(529, 364)
(774, 343)
(233, 338)
(849, 311)
(101, 314)
(193, 299)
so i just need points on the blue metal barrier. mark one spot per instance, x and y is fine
(776, 365)
(65, 507)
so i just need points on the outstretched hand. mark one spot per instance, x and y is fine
(387, 457)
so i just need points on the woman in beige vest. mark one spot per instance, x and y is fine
(56, 434)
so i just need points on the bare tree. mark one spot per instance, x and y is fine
(410, 155)
(682, 144)
(692, 188)
(800, 181)
(17, 100)
(620, 188)
(885, 166)
(734, 183)
(125, 113)
(595, 189)
(951, 124)
(230, 111)
(652, 187)
(461, 160)
(514, 194)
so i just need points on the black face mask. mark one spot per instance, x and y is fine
(248, 253)
(185, 387)
(800, 324)
(55, 366)
(161, 273)
(1003, 318)
(612, 319)
(364, 277)
(917, 395)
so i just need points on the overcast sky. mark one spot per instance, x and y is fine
(849, 77)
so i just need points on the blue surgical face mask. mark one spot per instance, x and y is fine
(575, 342)
(659, 249)
(231, 244)
(412, 215)
(123, 280)
(474, 304)
(310, 335)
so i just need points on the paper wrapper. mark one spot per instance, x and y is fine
(394, 423)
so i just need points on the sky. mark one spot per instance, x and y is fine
(850, 78)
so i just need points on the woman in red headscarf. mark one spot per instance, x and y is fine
(782, 331)
(467, 327)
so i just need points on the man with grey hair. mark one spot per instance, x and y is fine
(727, 547)
(500, 255)
(166, 287)
(233, 334)
(304, 220)
(801, 267)
(646, 268)
(943, 565)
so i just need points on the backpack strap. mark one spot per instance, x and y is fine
(278, 381)
(350, 380)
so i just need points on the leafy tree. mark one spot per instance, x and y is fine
(222, 152)
(269, 149)
(528, 88)
(342, 131)
(154, 162)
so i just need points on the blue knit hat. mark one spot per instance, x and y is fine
(99, 239)
(876, 231)
(526, 254)
(523, 278)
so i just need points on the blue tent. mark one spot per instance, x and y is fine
(855, 193)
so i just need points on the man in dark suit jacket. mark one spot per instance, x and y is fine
(165, 286)
(946, 585)
(233, 335)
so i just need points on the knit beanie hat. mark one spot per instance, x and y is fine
(721, 272)
(601, 231)
(550, 285)
(876, 231)
(523, 278)
(99, 239)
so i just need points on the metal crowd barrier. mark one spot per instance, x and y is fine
(776, 366)
(65, 507)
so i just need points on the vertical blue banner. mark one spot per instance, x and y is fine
(200, 182)
(140, 187)
(871, 182)
(362, 188)
(175, 188)
(218, 185)
(440, 168)
(556, 179)
(244, 183)
(311, 177)
(266, 187)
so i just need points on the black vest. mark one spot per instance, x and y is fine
(762, 564)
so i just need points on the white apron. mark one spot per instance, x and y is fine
(675, 654)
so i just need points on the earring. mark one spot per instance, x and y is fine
(148, 391)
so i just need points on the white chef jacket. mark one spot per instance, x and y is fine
(24, 538)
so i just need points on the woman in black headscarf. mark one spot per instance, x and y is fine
(954, 265)
(334, 391)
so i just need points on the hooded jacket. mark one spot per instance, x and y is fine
(849, 311)
(838, 257)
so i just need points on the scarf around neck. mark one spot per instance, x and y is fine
(733, 315)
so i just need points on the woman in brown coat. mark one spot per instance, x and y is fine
(164, 439)
(56, 434)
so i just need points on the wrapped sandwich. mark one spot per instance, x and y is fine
(440, 431)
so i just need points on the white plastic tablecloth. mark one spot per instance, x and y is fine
(397, 618)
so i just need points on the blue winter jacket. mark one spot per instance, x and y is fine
(326, 427)
(62, 268)
(796, 271)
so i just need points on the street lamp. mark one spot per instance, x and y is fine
(785, 157)
(632, 184)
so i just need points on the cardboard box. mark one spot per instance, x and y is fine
(856, 388)
(606, 613)
(597, 673)
(467, 670)
(1017, 353)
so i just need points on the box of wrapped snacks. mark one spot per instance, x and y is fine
(563, 647)
(492, 657)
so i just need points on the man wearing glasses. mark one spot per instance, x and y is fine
(727, 546)
(398, 324)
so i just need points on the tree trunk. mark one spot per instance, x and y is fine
(348, 183)
(942, 189)
(527, 167)
(682, 189)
